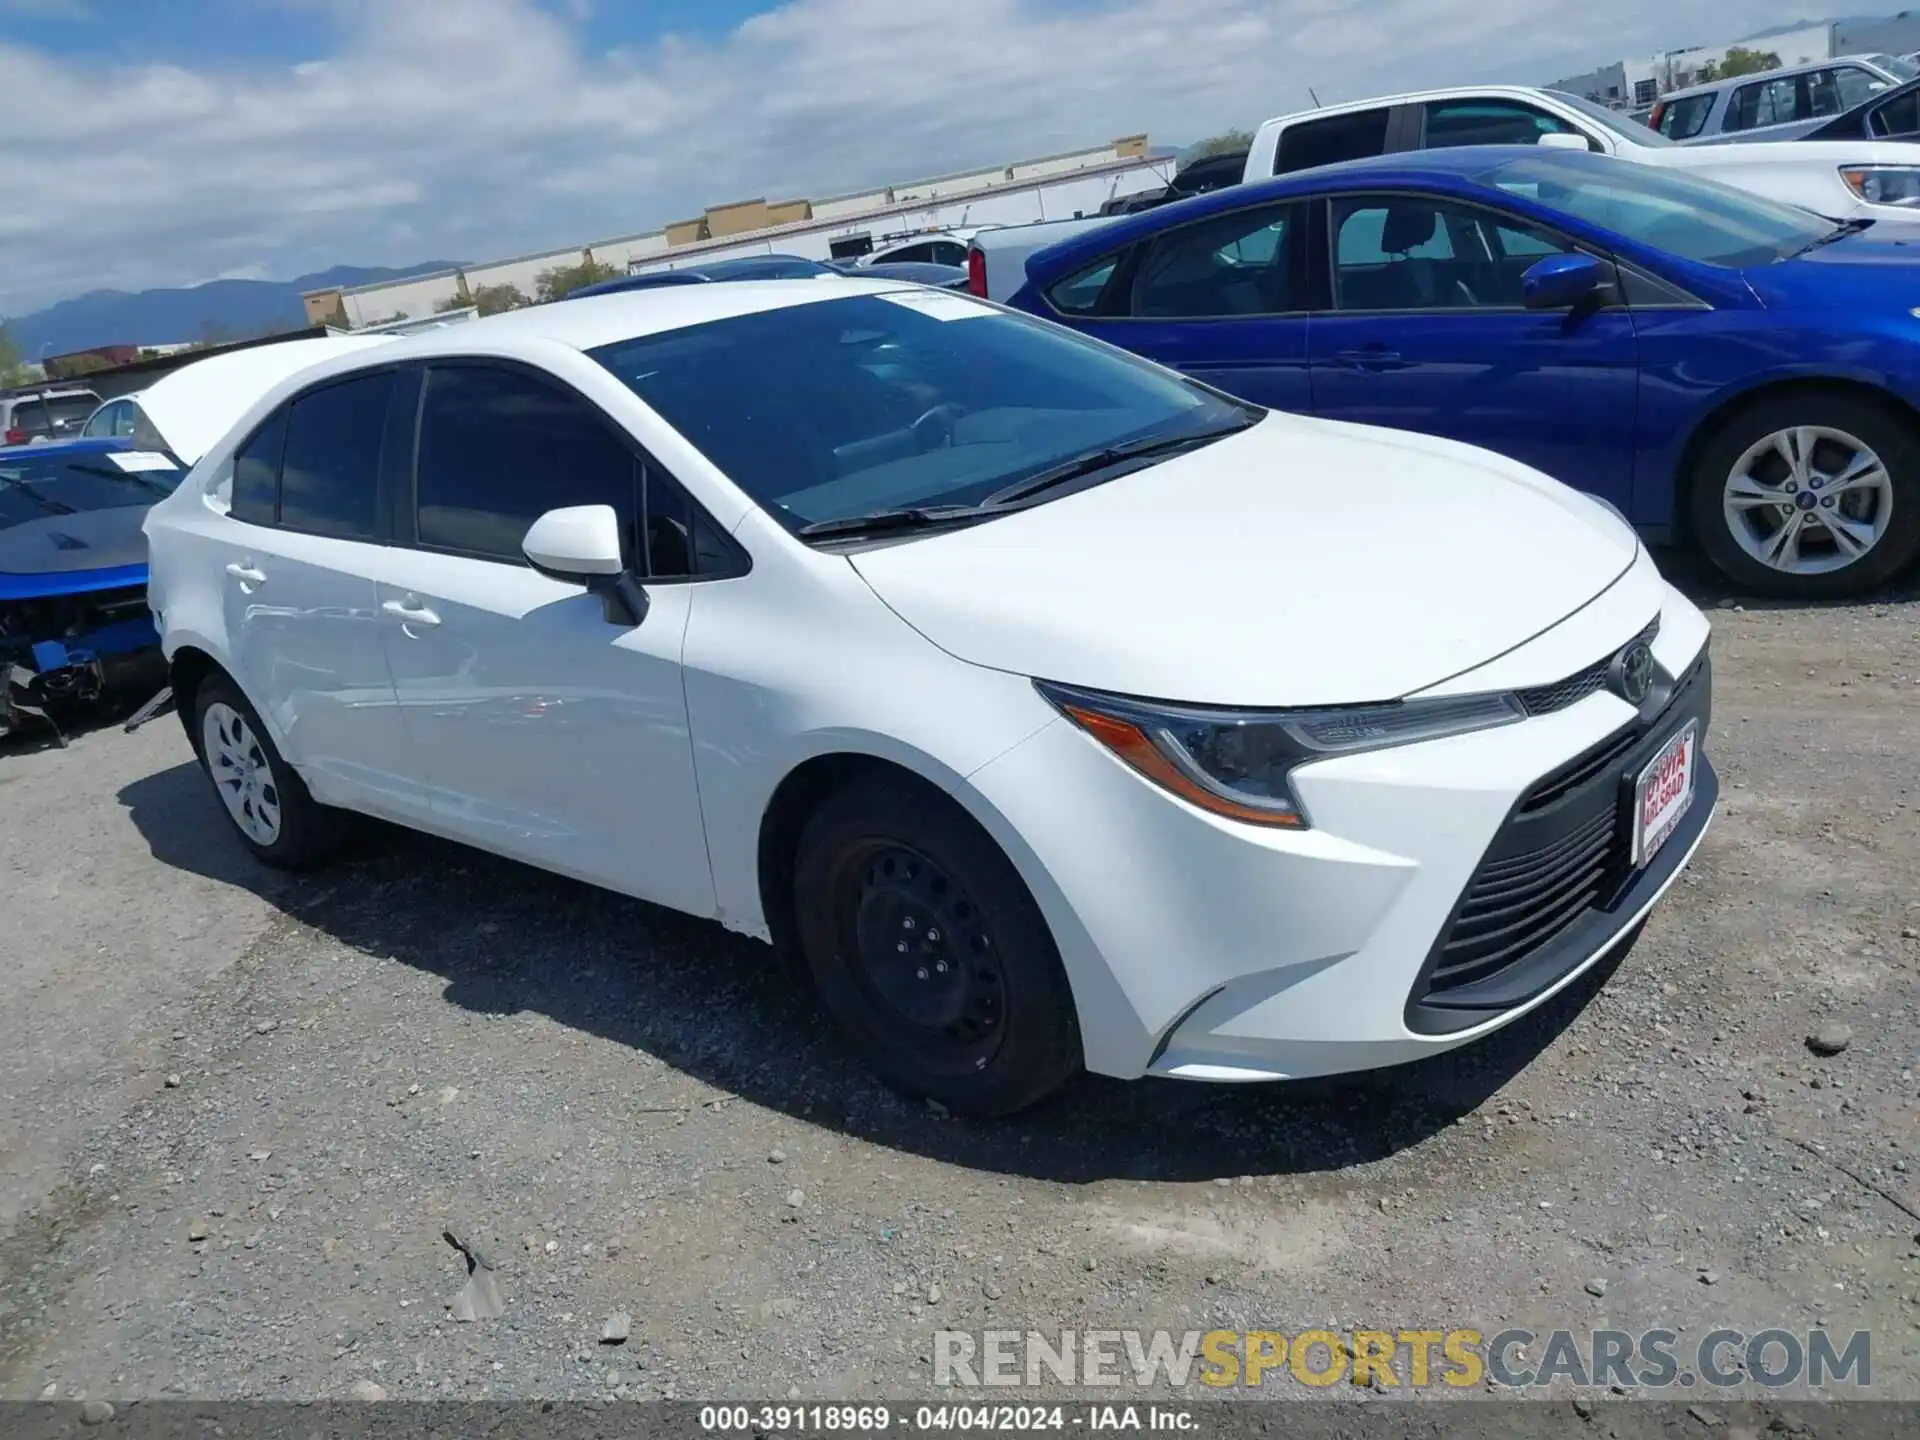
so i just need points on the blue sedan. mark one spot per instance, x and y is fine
(1720, 368)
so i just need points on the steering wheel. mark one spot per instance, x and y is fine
(934, 429)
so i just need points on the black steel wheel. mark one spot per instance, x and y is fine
(928, 950)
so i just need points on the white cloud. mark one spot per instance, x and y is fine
(477, 130)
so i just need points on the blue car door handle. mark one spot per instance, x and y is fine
(1370, 357)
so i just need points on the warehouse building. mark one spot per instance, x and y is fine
(1051, 187)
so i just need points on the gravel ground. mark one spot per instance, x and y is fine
(240, 1112)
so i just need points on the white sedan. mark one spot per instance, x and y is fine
(1060, 711)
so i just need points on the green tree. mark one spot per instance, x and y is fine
(13, 371)
(72, 367)
(563, 280)
(493, 299)
(1739, 61)
(1223, 143)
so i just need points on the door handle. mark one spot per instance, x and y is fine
(1371, 358)
(246, 574)
(410, 612)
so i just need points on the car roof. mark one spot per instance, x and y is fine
(1780, 72)
(1414, 97)
(49, 392)
(587, 322)
(1458, 167)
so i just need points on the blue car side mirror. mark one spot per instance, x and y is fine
(1561, 281)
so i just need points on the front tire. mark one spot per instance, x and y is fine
(930, 953)
(271, 810)
(1810, 495)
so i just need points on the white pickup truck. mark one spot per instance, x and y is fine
(1840, 179)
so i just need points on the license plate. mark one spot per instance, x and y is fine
(1664, 793)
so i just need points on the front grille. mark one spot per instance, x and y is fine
(1518, 904)
(1544, 892)
(1545, 699)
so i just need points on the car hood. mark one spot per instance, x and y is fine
(61, 544)
(1302, 562)
(194, 406)
(1878, 268)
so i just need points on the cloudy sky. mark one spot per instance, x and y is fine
(167, 142)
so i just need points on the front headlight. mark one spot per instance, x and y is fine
(1884, 184)
(1239, 763)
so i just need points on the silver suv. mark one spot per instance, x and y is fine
(52, 412)
(1776, 104)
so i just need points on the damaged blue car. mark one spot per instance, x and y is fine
(74, 622)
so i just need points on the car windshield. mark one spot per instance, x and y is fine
(1621, 124)
(1685, 215)
(36, 488)
(1897, 66)
(858, 404)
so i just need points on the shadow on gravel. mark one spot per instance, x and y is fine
(507, 938)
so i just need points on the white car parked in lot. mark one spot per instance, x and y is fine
(1057, 709)
(1840, 179)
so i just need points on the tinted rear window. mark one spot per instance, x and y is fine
(55, 414)
(1686, 117)
(1329, 141)
(37, 489)
(330, 473)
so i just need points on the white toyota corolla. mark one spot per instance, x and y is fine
(1058, 710)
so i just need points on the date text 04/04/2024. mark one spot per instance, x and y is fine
(816, 1419)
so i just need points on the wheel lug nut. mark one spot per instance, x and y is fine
(901, 947)
(933, 934)
(1791, 487)
(907, 924)
(941, 966)
(1826, 502)
(921, 972)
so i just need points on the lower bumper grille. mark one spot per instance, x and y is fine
(1515, 906)
(1557, 882)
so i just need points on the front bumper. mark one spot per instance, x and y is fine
(1204, 949)
(67, 648)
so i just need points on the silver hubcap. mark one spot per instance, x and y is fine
(1808, 500)
(241, 773)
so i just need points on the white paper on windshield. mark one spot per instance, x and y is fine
(141, 460)
(940, 304)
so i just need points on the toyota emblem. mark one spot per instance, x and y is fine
(1631, 674)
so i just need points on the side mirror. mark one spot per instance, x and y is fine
(1562, 140)
(581, 544)
(1560, 282)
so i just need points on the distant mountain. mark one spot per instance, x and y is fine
(232, 308)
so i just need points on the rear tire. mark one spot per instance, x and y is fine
(1809, 495)
(271, 810)
(930, 953)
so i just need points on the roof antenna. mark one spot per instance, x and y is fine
(1316, 98)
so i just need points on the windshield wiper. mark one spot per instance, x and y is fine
(1839, 232)
(146, 482)
(876, 522)
(1104, 458)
